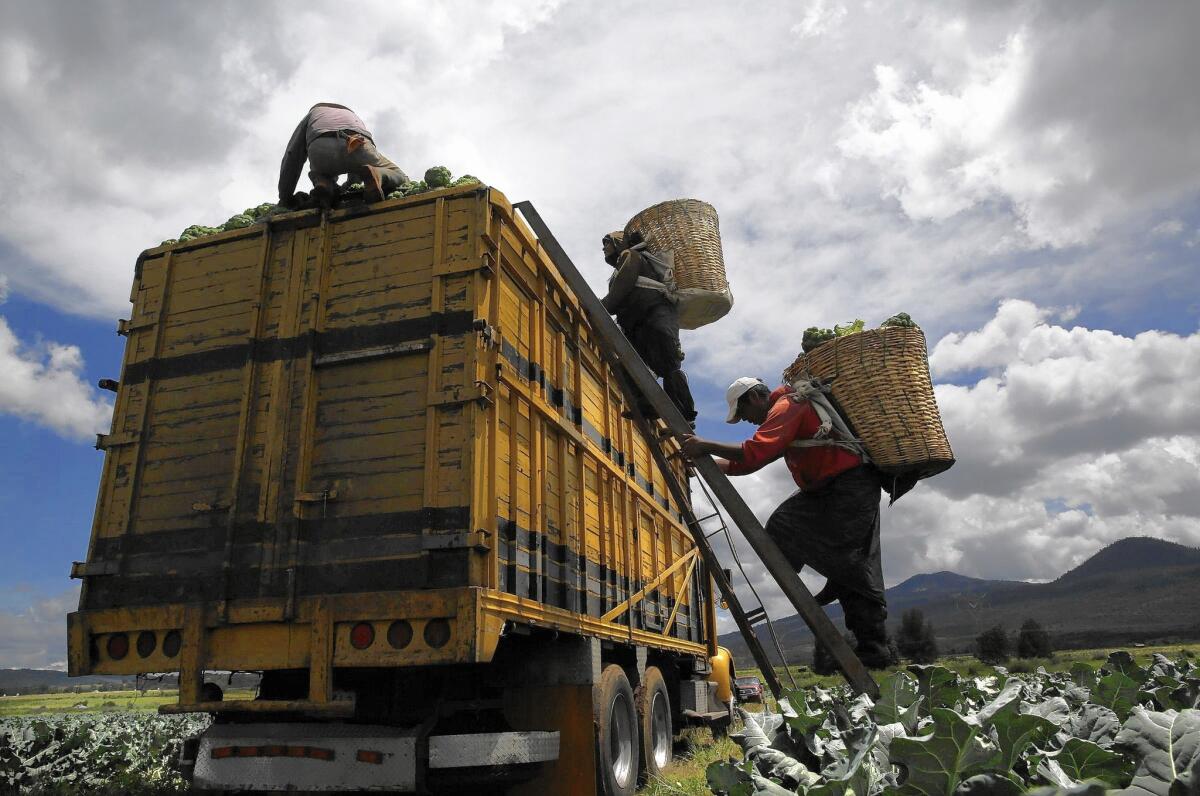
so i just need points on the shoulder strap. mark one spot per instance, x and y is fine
(833, 430)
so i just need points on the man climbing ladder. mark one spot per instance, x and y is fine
(832, 522)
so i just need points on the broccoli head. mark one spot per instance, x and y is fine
(411, 188)
(814, 337)
(239, 221)
(900, 320)
(466, 179)
(437, 177)
(197, 231)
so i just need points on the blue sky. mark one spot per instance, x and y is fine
(1022, 178)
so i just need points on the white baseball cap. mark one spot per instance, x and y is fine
(736, 391)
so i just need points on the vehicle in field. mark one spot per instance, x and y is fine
(378, 456)
(748, 689)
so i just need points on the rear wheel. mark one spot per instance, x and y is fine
(654, 714)
(617, 734)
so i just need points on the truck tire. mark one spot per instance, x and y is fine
(654, 721)
(616, 734)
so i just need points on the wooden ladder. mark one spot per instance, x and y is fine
(639, 380)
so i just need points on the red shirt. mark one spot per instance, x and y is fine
(789, 420)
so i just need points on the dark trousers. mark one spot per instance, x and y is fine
(835, 530)
(656, 339)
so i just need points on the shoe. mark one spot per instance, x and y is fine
(324, 193)
(372, 185)
(875, 655)
(826, 595)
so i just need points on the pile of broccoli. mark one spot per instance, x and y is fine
(435, 177)
(814, 336)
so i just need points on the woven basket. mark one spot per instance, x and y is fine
(689, 228)
(880, 382)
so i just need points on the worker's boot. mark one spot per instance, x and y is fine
(372, 184)
(324, 191)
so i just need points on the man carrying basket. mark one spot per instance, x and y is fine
(832, 522)
(640, 294)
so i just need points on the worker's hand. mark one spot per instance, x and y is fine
(692, 445)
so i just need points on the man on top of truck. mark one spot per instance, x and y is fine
(832, 522)
(646, 312)
(335, 141)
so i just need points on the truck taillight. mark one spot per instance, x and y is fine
(117, 646)
(362, 635)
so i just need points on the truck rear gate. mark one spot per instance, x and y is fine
(372, 439)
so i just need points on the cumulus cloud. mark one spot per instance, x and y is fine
(35, 637)
(1072, 439)
(857, 172)
(43, 384)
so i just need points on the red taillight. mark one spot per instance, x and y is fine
(362, 635)
(370, 756)
(117, 646)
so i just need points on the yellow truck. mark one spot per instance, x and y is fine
(377, 455)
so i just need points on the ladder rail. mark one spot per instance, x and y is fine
(618, 347)
(711, 563)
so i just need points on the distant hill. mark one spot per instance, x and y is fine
(20, 681)
(1136, 589)
(23, 680)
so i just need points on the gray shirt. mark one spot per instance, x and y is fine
(322, 118)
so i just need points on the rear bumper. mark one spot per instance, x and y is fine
(349, 757)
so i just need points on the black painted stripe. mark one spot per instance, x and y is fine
(333, 341)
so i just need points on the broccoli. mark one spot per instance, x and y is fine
(258, 212)
(396, 194)
(899, 320)
(239, 221)
(437, 177)
(466, 179)
(197, 231)
(850, 328)
(814, 337)
(411, 188)
(169, 241)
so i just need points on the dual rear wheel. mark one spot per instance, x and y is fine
(635, 734)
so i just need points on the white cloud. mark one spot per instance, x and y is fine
(1168, 229)
(43, 384)
(35, 637)
(819, 18)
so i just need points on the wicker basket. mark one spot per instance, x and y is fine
(880, 382)
(689, 228)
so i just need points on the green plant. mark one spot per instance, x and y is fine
(1033, 641)
(991, 646)
(934, 732)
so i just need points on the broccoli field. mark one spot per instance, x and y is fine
(63, 753)
(1088, 730)
(1117, 726)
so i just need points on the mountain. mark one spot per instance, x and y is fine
(23, 681)
(1136, 589)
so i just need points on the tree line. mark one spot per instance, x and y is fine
(916, 642)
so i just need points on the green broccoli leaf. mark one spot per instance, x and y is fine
(937, 763)
(1081, 760)
(1167, 749)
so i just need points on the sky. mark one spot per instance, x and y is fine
(1023, 178)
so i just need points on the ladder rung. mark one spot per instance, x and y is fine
(714, 533)
(707, 517)
(756, 616)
